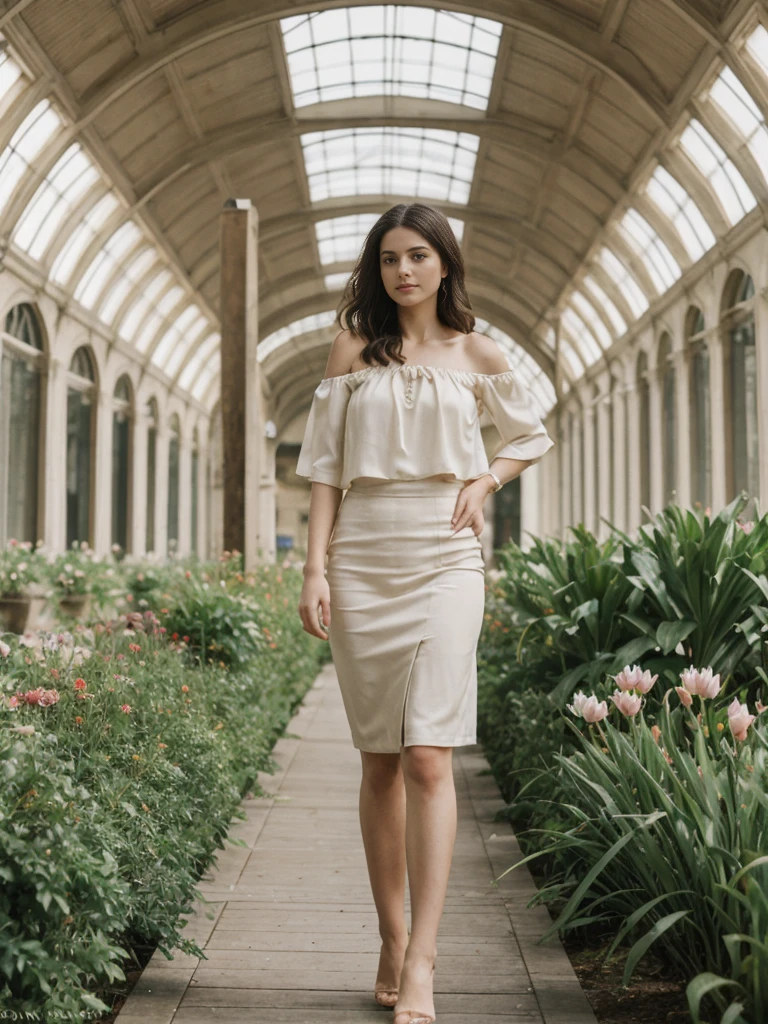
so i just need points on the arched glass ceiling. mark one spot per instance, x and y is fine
(727, 183)
(431, 163)
(69, 179)
(744, 114)
(390, 50)
(624, 282)
(335, 282)
(340, 239)
(37, 128)
(757, 48)
(85, 232)
(606, 303)
(673, 201)
(315, 322)
(659, 261)
(10, 72)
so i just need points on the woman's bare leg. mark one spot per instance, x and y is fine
(430, 837)
(382, 823)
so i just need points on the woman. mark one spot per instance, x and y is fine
(396, 420)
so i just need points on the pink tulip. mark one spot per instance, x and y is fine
(594, 711)
(635, 679)
(577, 707)
(628, 703)
(685, 697)
(701, 682)
(739, 719)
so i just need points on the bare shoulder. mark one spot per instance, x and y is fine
(485, 354)
(345, 349)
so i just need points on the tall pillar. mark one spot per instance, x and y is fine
(240, 380)
(564, 459)
(717, 396)
(267, 499)
(54, 526)
(138, 484)
(761, 356)
(620, 469)
(634, 516)
(604, 442)
(185, 495)
(683, 431)
(102, 504)
(162, 463)
(655, 427)
(588, 476)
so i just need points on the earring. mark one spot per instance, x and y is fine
(444, 289)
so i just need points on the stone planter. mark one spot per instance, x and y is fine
(75, 605)
(14, 612)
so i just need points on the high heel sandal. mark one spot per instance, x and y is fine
(420, 1018)
(385, 992)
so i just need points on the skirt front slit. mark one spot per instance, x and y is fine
(407, 604)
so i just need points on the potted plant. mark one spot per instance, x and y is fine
(20, 569)
(72, 574)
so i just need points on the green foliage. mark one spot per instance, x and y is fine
(22, 563)
(118, 794)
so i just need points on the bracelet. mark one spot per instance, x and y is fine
(499, 484)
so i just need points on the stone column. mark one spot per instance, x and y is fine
(240, 380)
(53, 529)
(604, 440)
(620, 469)
(655, 426)
(634, 514)
(717, 396)
(102, 484)
(683, 428)
(185, 494)
(138, 483)
(161, 488)
(267, 498)
(588, 475)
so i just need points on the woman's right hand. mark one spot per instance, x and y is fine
(315, 604)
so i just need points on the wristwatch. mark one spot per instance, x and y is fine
(499, 484)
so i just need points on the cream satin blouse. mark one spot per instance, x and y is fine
(403, 422)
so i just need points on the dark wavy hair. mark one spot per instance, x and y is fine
(367, 310)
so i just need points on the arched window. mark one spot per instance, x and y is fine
(701, 423)
(121, 462)
(173, 484)
(666, 376)
(195, 477)
(740, 378)
(151, 472)
(644, 408)
(81, 406)
(21, 368)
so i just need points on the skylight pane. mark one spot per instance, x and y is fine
(673, 201)
(176, 334)
(340, 239)
(149, 331)
(103, 266)
(67, 182)
(81, 237)
(525, 365)
(742, 111)
(10, 73)
(757, 46)
(139, 309)
(569, 354)
(129, 277)
(589, 350)
(624, 282)
(603, 299)
(391, 50)
(201, 355)
(662, 265)
(589, 314)
(37, 128)
(169, 300)
(430, 163)
(189, 339)
(313, 322)
(727, 183)
(204, 377)
(335, 282)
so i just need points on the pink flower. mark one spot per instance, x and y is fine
(5, 650)
(80, 684)
(49, 697)
(701, 682)
(25, 730)
(685, 697)
(635, 679)
(592, 711)
(134, 647)
(578, 704)
(739, 719)
(761, 707)
(628, 703)
(126, 708)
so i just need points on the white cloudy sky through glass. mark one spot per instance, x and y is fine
(392, 50)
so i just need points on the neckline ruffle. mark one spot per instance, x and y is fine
(467, 376)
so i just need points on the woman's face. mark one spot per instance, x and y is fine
(407, 258)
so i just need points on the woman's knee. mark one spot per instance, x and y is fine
(380, 769)
(428, 767)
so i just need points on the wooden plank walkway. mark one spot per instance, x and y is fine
(292, 936)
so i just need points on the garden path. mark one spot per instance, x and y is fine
(292, 936)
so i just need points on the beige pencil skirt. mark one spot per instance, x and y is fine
(407, 604)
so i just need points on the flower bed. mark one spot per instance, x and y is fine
(646, 806)
(125, 751)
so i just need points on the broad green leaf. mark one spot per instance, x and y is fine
(669, 634)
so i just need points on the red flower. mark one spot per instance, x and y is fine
(134, 647)
(126, 708)
(174, 636)
(80, 684)
(185, 639)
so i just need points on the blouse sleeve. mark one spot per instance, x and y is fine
(322, 450)
(514, 414)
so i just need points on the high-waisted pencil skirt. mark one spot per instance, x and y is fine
(407, 602)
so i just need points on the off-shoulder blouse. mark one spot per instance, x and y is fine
(404, 421)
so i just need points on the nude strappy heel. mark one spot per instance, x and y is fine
(393, 992)
(420, 1018)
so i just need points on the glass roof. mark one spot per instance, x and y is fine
(10, 72)
(314, 322)
(335, 282)
(624, 282)
(391, 50)
(673, 201)
(69, 179)
(742, 111)
(105, 263)
(82, 236)
(756, 47)
(591, 318)
(340, 239)
(202, 356)
(661, 264)
(142, 305)
(727, 183)
(431, 163)
(37, 128)
(607, 304)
